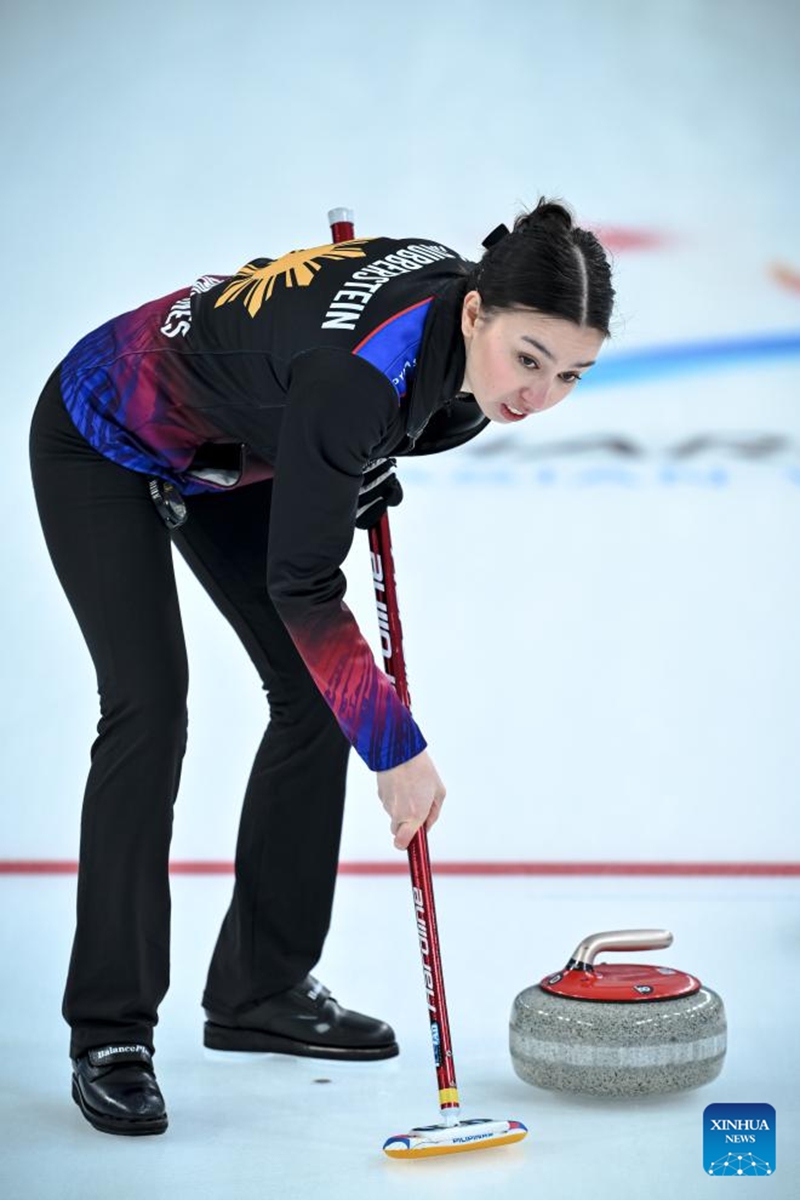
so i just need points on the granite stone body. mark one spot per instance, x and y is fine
(617, 1048)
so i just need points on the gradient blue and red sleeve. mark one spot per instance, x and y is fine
(337, 410)
(359, 693)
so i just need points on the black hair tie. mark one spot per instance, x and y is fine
(495, 236)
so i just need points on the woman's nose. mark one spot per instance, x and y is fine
(534, 399)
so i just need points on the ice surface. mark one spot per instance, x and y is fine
(250, 1125)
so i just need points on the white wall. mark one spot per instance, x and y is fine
(602, 649)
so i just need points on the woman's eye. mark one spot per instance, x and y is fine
(527, 361)
(570, 377)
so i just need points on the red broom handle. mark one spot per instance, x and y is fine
(383, 578)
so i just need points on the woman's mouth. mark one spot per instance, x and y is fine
(512, 414)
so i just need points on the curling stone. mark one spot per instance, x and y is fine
(618, 1029)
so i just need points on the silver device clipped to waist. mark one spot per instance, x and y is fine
(169, 503)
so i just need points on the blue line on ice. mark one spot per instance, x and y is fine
(662, 362)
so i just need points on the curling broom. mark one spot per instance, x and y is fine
(452, 1134)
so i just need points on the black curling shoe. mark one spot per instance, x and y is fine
(305, 1020)
(116, 1090)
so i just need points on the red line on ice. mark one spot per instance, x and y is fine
(399, 867)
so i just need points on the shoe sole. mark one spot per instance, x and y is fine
(222, 1037)
(123, 1125)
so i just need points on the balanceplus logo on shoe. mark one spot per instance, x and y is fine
(113, 1051)
(739, 1139)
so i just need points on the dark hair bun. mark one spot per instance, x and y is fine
(547, 212)
(546, 263)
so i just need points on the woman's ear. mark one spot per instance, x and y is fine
(469, 313)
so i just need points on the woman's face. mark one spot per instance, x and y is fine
(520, 361)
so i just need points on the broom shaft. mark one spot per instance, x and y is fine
(418, 857)
(383, 576)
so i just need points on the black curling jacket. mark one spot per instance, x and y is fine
(301, 368)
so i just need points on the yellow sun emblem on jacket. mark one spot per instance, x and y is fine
(255, 285)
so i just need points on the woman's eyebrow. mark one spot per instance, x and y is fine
(548, 354)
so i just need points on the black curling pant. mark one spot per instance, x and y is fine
(112, 554)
